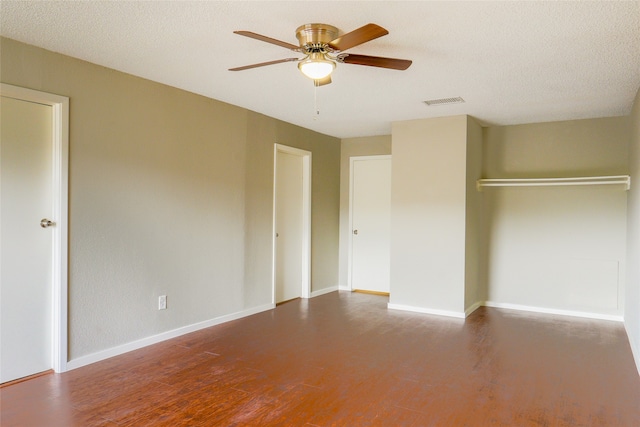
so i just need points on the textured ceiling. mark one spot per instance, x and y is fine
(512, 62)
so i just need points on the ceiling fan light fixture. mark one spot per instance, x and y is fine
(324, 49)
(316, 66)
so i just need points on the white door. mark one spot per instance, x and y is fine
(26, 260)
(370, 220)
(289, 207)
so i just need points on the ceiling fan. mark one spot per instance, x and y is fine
(323, 49)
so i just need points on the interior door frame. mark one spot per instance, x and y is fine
(352, 161)
(306, 218)
(60, 129)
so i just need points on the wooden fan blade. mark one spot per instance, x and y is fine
(322, 82)
(357, 37)
(262, 64)
(268, 40)
(376, 61)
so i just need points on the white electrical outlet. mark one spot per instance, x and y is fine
(162, 302)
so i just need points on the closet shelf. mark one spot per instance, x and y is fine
(547, 182)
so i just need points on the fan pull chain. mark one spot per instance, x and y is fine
(315, 102)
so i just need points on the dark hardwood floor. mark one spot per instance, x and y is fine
(343, 359)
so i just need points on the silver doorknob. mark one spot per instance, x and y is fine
(355, 232)
(44, 223)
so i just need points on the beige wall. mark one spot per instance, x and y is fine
(170, 193)
(353, 147)
(560, 248)
(428, 204)
(556, 247)
(556, 149)
(632, 290)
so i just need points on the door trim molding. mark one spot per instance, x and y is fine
(60, 129)
(306, 218)
(352, 160)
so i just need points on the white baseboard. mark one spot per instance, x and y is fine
(324, 291)
(144, 342)
(473, 308)
(459, 315)
(635, 350)
(588, 315)
(344, 288)
(479, 304)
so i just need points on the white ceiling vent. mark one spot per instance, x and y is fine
(444, 101)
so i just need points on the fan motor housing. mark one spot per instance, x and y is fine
(316, 34)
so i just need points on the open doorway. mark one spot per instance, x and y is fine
(292, 224)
